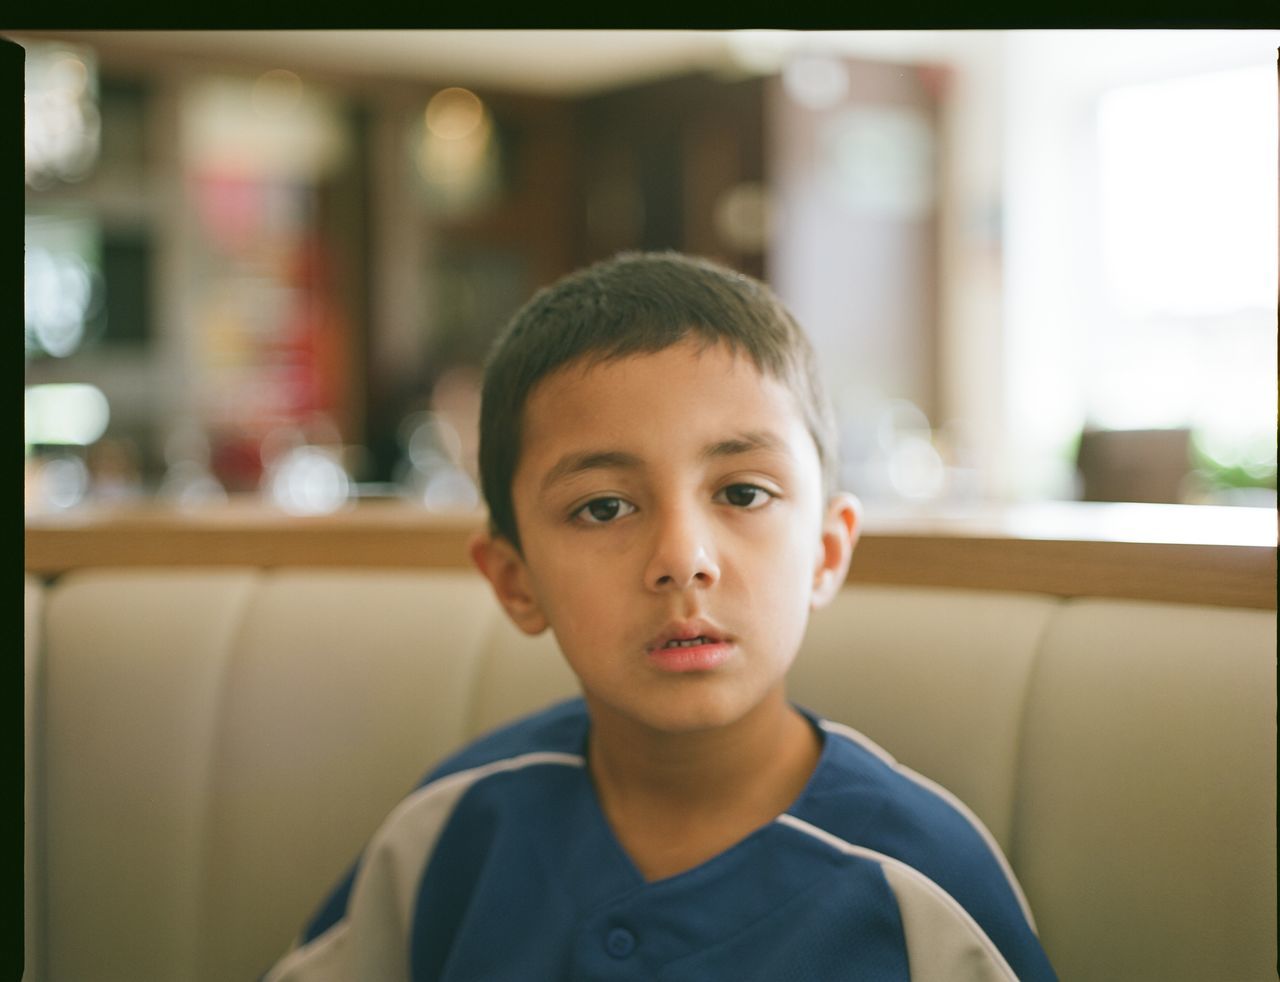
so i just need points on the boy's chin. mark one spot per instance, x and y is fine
(684, 714)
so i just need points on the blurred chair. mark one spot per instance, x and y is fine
(1134, 465)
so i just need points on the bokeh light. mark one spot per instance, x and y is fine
(72, 414)
(63, 482)
(308, 480)
(456, 155)
(60, 294)
(62, 131)
(454, 113)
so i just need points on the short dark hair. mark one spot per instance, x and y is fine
(638, 303)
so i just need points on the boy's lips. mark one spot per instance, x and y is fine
(690, 646)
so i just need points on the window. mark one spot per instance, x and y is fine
(1140, 254)
(1187, 209)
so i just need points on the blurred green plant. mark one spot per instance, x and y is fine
(1224, 462)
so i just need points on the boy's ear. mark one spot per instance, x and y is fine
(840, 527)
(506, 572)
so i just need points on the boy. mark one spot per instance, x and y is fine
(659, 466)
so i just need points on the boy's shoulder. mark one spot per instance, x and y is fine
(866, 800)
(863, 794)
(558, 729)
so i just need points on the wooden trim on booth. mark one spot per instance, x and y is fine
(965, 553)
(1226, 575)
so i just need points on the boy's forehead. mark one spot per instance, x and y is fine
(686, 392)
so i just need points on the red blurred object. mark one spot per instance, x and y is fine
(236, 461)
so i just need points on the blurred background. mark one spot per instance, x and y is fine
(1037, 265)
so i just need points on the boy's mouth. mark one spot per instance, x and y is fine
(689, 647)
(687, 634)
(689, 642)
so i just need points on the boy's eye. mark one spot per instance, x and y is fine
(599, 511)
(745, 496)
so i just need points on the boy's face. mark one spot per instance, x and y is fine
(665, 497)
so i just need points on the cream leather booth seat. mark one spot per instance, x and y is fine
(208, 750)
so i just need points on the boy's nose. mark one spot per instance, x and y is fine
(682, 556)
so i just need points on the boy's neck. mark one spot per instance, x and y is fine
(676, 799)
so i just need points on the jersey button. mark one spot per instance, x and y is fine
(620, 943)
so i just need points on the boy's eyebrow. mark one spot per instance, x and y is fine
(576, 463)
(744, 443)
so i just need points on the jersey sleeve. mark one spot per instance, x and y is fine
(362, 931)
(870, 801)
(943, 942)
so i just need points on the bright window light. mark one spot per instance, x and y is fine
(1188, 185)
(1187, 223)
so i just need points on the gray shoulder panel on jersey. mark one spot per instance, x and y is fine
(371, 939)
